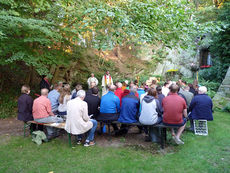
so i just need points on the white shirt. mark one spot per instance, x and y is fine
(63, 107)
(165, 91)
(92, 79)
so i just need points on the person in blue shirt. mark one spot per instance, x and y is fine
(53, 96)
(129, 110)
(141, 90)
(110, 107)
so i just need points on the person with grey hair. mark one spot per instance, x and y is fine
(188, 95)
(78, 122)
(119, 91)
(92, 79)
(42, 113)
(200, 107)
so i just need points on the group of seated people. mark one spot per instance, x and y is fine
(150, 105)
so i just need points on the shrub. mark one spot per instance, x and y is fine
(8, 105)
(227, 108)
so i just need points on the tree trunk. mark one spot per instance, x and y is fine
(55, 76)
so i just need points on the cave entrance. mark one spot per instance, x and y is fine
(205, 58)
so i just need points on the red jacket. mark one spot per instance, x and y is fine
(119, 93)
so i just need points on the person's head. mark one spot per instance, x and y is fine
(81, 94)
(44, 77)
(133, 89)
(25, 89)
(153, 86)
(107, 72)
(126, 82)
(95, 90)
(186, 88)
(57, 86)
(166, 84)
(60, 84)
(159, 89)
(112, 88)
(202, 90)
(190, 85)
(154, 82)
(174, 88)
(119, 85)
(44, 92)
(65, 91)
(78, 87)
(131, 85)
(152, 92)
(92, 84)
(92, 74)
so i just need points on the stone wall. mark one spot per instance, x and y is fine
(222, 96)
(178, 59)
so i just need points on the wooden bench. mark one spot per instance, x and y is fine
(162, 127)
(55, 125)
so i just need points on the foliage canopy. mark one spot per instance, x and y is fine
(45, 33)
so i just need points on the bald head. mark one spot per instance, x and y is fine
(174, 88)
(44, 92)
(112, 88)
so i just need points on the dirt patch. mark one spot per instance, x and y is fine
(12, 127)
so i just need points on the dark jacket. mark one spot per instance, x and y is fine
(25, 104)
(44, 84)
(129, 109)
(160, 98)
(93, 104)
(201, 107)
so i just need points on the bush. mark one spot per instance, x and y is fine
(216, 73)
(8, 105)
(227, 108)
(211, 86)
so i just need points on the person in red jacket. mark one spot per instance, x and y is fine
(119, 91)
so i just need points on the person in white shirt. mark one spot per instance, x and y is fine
(165, 89)
(106, 82)
(92, 79)
(65, 96)
(78, 122)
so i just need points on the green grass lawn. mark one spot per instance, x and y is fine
(199, 154)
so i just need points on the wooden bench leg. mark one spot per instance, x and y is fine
(69, 136)
(101, 127)
(24, 129)
(165, 134)
(25, 126)
(162, 138)
(109, 132)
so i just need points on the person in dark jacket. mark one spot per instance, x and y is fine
(200, 107)
(44, 83)
(129, 110)
(93, 102)
(159, 94)
(25, 104)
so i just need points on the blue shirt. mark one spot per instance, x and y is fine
(53, 96)
(110, 103)
(140, 91)
(129, 109)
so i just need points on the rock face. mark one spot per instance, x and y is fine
(222, 96)
(178, 59)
